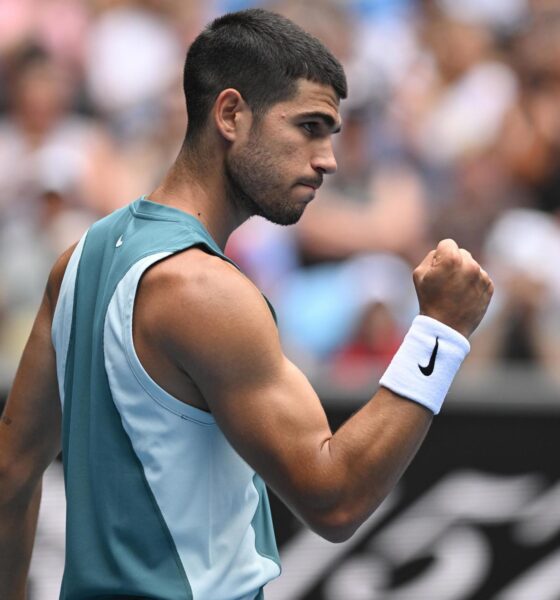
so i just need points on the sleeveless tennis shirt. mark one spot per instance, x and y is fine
(159, 505)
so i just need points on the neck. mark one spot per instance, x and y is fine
(196, 184)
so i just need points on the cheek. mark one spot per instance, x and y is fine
(293, 150)
(292, 161)
(287, 145)
(274, 161)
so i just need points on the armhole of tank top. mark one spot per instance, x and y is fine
(150, 386)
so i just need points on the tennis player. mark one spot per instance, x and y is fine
(156, 366)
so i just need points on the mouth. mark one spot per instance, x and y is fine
(314, 185)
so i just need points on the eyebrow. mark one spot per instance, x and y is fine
(329, 121)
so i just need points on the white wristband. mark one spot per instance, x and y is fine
(424, 366)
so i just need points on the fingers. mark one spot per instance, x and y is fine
(452, 287)
(476, 272)
(450, 257)
(487, 281)
(428, 259)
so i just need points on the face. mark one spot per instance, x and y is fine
(41, 94)
(275, 171)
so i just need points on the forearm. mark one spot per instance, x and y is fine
(367, 456)
(18, 522)
(29, 441)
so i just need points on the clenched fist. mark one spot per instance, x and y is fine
(452, 287)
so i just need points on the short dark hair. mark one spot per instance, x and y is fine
(259, 53)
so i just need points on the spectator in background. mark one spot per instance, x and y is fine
(523, 253)
(524, 324)
(453, 120)
(446, 114)
(58, 26)
(53, 168)
(131, 60)
(45, 144)
(146, 151)
(529, 143)
(137, 92)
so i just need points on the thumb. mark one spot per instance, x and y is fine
(446, 247)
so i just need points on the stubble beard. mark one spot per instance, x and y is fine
(255, 186)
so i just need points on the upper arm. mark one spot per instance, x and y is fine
(31, 422)
(220, 330)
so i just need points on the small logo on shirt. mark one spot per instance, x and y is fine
(119, 242)
(429, 368)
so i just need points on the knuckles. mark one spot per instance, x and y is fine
(418, 273)
(451, 267)
(453, 286)
(472, 270)
(448, 260)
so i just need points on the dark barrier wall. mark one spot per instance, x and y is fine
(477, 516)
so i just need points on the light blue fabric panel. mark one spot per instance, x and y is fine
(63, 314)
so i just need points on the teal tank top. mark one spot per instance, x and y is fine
(159, 505)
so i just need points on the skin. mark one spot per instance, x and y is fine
(29, 442)
(204, 332)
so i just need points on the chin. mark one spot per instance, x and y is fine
(290, 217)
(282, 211)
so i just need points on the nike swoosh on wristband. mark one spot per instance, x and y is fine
(429, 368)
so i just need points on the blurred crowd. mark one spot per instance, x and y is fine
(451, 129)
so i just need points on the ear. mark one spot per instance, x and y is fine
(232, 115)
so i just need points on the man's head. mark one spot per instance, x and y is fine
(40, 90)
(269, 92)
(260, 54)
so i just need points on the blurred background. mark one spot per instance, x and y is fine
(451, 129)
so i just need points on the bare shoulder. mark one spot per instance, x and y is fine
(196, 277)
(195, 300)
(57, 275)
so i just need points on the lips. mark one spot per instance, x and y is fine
(314, 185)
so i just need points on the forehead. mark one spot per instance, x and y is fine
(310, 98)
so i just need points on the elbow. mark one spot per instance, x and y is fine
(335, 535)
(336, 526)
(335, 504)
(14, 486)
(7, 484)
(6, 495)
(339, 522)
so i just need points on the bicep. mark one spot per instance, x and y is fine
(274, 420)
(263, 403)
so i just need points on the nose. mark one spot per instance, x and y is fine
(323, 160)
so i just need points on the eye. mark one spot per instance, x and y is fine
(310, 127)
